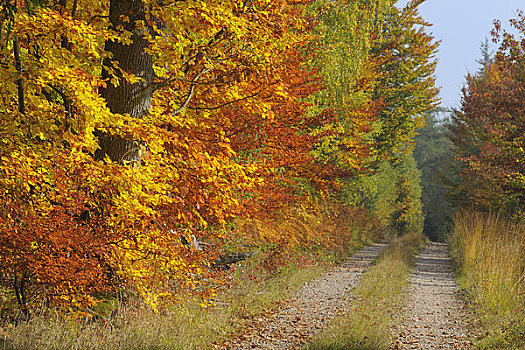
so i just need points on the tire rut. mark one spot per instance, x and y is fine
(311, 308)
(436, 317)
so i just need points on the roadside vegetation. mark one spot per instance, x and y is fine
(191, 325)
(486, 188)
(251, 288)
(376, 299)
(147, 144)
(490, 253)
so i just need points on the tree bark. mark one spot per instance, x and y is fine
(19, 81)
(127, 98)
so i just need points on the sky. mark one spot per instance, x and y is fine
(462, 25)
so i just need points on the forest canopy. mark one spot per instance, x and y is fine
(132, 127)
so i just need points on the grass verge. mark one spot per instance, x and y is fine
(188, 326)
(490, 255)
(326, 233)
(368, 325)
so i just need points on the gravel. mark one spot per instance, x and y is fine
(311, 308)
(435, 317)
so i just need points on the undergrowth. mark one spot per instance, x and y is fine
(188, 326)
(490, 255)
(327, 234)
(367, 326)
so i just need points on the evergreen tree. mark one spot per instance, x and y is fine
(487, 57)
(432, 152)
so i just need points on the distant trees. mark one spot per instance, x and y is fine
(377, 63)
(394, 90)
(396, 195)
(434, 156)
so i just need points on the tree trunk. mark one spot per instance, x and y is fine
(127, 98)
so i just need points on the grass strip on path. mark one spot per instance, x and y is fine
(368, 325)
(311, 308)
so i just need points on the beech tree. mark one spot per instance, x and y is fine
(487, 131)
(378, 62)
(346, 34)
(124, 126)
(405, 52)
(130, 128)
(123, 96)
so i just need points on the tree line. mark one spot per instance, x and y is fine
(132, 127)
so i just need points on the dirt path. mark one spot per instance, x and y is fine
(436, 317)
(311, 308)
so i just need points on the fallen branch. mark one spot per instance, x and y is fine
(223, 262)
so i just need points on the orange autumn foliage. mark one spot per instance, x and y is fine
(224, 108)
(131, 127)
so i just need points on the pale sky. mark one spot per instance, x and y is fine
(462, 25)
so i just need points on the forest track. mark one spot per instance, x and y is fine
(435, 316)
(311, 309)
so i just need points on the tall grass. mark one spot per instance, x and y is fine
(490, 254)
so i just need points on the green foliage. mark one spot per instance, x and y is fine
(377, 64)
(432, 153)
(383, 201)
(393, 193)
(406, 82)
(345, 31)
(408, 215)
(487, 57)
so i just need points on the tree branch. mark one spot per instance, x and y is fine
(226, 103)
(19, 81)
(95, 17)
(191, 91)
(74, 11)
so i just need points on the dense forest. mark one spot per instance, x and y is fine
(147, 146)
(134, 133)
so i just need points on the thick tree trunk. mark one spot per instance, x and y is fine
(127, 98)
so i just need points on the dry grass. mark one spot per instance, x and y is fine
(188, 326)
(368, 326)
(323, 233)
(490, 253)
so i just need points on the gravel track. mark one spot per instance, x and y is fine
(311, 308)
(435, 317)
